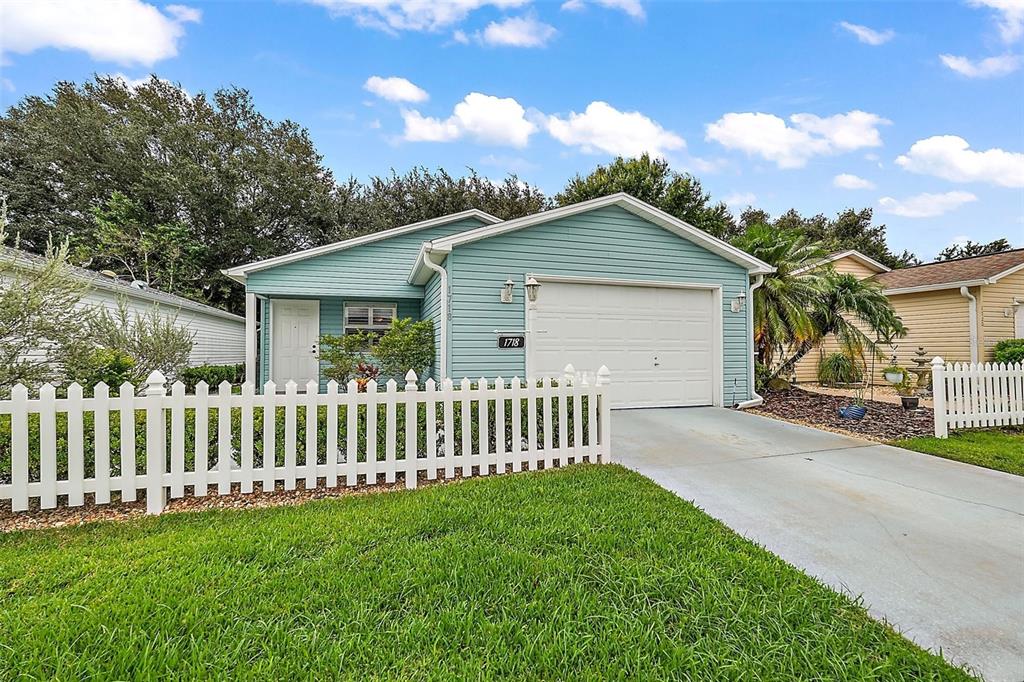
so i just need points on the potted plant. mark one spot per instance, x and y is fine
(857, 410)
(894, 374)
(905, 388)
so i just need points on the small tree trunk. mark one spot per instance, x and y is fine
(787, 366)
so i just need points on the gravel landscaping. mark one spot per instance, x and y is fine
(884, 421)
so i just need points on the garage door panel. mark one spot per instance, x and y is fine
(657, 341)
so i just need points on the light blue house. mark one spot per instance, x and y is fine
(612, 281)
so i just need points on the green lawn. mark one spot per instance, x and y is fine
(585, 572)
(995, 449)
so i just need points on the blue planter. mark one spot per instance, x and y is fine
(853, 412)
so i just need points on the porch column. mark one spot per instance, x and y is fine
(250, 338)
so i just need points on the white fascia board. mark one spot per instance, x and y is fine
(239, 273)
(625, 201)
(850, 253)
(937, 287)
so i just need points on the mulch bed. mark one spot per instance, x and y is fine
(884, 422)
(62, 516)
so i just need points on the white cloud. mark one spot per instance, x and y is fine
(791, 146)
(926, 205)
(184, 13)
(131, 83)
(631, 7)
(606, 129)
(951, 158)
(869, 35)
(1011, 16)
(7, 84)
(395, 89)
(121, 31)
(518, 32)
(459, 36)
(484, 118)
(737, 201)
(410, 15)
(990, 67)
(850, 181)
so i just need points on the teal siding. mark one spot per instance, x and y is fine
(379, 269)
(433, 309)
(608, 243)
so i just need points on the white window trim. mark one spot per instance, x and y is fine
(369, 305)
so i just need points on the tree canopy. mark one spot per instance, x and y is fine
(652, 180)
(970, 249)
(168, 187)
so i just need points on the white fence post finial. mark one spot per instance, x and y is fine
(156, 383)
(569, 374)
(410, 381)
(604, 376)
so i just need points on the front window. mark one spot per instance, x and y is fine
(374, 318)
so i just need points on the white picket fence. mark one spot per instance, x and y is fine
(973, 396)
(440, 430)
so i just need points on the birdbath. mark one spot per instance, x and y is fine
(923, 371)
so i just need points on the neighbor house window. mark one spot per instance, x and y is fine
(375, 318)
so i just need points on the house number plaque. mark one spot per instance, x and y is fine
(511, 342)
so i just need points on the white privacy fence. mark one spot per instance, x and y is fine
(971, 396)
(172, 443)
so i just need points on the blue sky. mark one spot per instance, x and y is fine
(914, 109)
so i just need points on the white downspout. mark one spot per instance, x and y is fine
(756, 400)
(972, 308)
(443, 274)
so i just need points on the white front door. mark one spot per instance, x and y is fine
(295, 341)
(1018, 321)
(660, 343)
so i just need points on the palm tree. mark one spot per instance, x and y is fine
(847, 308)
(803, 302)
(781, 313)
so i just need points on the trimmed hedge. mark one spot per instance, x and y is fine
(213, 375)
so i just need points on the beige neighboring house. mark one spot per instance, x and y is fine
(957, 309)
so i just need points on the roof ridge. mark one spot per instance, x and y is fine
(959, 260)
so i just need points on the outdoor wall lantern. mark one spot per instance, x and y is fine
(532, 287)
(739, 302)
(506, 291)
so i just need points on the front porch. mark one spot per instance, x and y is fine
(283, 333)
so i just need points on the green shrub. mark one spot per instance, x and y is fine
(838, 368)
(1009, 351)
(112, 367)
(406, 345)
(213, 375)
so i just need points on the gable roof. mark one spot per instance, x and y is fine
(975, 271)
(419, 273)
(240, 272)
(30, 261)
(856, 255)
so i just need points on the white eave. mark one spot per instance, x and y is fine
(240, 272)
(754, 266)
(856, 255)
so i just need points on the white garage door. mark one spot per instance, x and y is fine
(658, 342)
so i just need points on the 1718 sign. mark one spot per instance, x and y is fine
(511, 342)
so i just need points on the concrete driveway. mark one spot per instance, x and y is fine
(935, 547)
